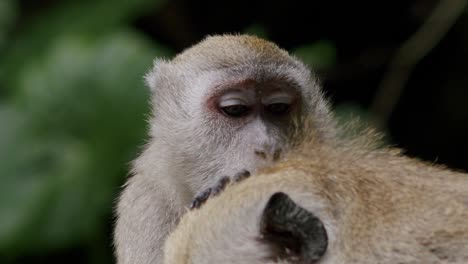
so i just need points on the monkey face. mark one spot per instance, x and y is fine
(220, 114)
(246, 119)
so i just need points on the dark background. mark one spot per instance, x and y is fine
(73, 103)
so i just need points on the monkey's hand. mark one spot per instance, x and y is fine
(201, 198)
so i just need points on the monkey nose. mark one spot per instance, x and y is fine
(273, 155)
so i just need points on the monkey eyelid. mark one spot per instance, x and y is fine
(236, 98)
(278, 98)
(231, 102)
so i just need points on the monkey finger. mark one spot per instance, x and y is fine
(200, 199)
(219, 187)
(242, 175)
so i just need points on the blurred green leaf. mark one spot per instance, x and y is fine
(73, 124)
(7, 17)
(320, 55)
(68, 17)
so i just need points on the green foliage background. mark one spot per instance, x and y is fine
(72, 111)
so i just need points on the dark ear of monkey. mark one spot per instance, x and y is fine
(294, 233)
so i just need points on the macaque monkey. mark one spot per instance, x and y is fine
(224, 105)
(350, 204)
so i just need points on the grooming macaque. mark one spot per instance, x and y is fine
(224, 105)
(327, 204)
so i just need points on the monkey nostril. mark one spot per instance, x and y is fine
(277, 155)
(261, 154)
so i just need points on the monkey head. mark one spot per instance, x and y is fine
(228, 103)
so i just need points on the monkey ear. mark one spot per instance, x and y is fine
(291, 231)
(151, 77)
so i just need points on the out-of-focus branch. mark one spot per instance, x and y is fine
(409, 54)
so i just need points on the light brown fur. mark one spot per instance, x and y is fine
(231, 50)
(377, 207)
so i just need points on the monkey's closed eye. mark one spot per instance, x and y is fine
(278, 108)
(236, 110)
